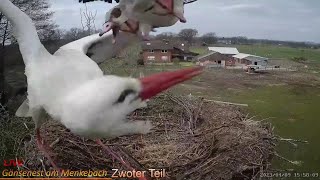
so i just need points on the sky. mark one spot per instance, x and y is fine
(294, 20)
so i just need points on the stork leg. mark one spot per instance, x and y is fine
(169, 5)
(42, 148)
(115, 32)
(129, 26)
(39, 117)
(116, 156)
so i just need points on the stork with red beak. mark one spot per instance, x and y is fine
(143, 15)
(71, 88)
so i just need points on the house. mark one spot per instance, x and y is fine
(160, 51)
(218, 57)
(182, 52)
(224, 41)
(248, 59)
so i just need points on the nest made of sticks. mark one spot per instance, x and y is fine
(191, 139)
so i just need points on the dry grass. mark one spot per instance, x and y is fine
(191, 139)
(14, 132)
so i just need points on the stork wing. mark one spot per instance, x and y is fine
(100, 49)
(111, 1)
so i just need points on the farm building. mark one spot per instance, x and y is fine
(248, 59)
(164, 52)
(224, 50)
(218, 57)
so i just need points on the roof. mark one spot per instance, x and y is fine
(249, 57)
(225, 50)
(160, 44)
(206, 55)
(152, 45)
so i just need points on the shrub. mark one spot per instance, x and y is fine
(140, 62)
(176, 61)
(299, 59)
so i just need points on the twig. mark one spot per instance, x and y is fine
(297, 163)
(43, 166)
(292, 140)
(229, 103)
(54, 142)
(26, 126)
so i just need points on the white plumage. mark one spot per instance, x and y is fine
(71, 88)
(147, 14)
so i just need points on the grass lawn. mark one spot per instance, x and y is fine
(279, 51)
(271, 51)
(293, 110)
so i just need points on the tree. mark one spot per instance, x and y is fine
(166, 36)
(88, 20)
(239, 40)
(209, 38)
(74, 34)
(188, 34)
(4, 27)
(39, 12)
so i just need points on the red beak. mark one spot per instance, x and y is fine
(155, 84)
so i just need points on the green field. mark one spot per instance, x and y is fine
(290, 100)
(271, 51)
(279, 51)
(293, 110)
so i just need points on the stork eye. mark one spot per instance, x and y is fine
(116, 12)
(124, 94)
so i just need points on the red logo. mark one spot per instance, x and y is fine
(12, 163)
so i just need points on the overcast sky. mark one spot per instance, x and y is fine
(297, 20)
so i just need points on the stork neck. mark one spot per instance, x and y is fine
(24, 31)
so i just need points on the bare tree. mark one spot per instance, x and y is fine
(88, 20)
(74, 34)
(4, 35)
(209, 38)
(188, 34)
(39, 12)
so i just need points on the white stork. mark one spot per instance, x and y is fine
(143, 15)
(71, 88)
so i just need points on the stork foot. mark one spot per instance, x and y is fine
(169, 6)
(146, 38)
(113, 154)
(166, 4)
(131, 26)
(181, 17)
(42, 148)
(116, 156)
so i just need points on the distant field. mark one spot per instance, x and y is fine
(279, 51)
(271, 51)
(200, 50)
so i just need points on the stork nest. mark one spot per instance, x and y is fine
(191, 139)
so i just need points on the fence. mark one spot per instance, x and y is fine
(265, 68)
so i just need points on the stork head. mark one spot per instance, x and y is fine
(116, 20)
(114, 17)
(103, 104)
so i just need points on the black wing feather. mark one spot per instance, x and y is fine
(108, 1)
(117, 1)
(189, 1)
